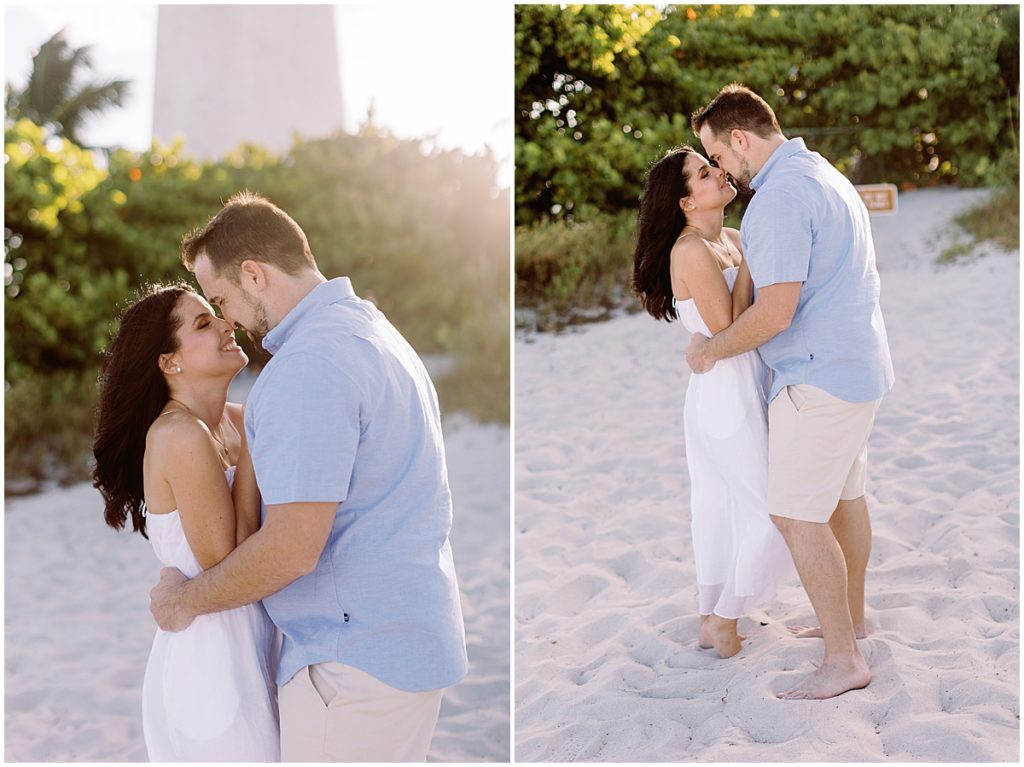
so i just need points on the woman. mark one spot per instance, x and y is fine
(167, 446)
(687, 265)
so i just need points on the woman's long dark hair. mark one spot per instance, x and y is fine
(132, 393)
(658, 226)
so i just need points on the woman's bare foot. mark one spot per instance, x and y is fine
(708, 646)
(831, 679)
(720, 633)
(702, 641)
(860, 630)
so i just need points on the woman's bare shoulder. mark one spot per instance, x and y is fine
(174, 433)
(691, 247)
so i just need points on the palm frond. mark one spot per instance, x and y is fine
(89, 100)
(54, 95)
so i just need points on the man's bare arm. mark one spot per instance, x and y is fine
(742, 292)
(245, 494)
(770, 315)
(287, 547)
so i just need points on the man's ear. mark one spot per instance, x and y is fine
(739, 139)
(253, 275)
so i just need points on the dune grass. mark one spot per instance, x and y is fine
(996, 220)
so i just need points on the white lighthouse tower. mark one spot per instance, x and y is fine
(257, 73)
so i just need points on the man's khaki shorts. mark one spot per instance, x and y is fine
(817, 452)
(332, 712)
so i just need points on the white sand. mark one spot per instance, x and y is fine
(607, 665)
(78, 629)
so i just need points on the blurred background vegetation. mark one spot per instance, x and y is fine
(915, 95)
(424, 233)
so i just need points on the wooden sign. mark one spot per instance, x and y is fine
(878, 198)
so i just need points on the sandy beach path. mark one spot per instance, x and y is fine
(78, 629)
(607, 664)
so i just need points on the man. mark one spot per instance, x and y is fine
(818, 325)
(352, 560)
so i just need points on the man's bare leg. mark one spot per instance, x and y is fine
(851, 525)
(822, 569)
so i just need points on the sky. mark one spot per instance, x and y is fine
(418, 66)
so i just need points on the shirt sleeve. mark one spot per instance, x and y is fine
(305, 427)
(777, 238)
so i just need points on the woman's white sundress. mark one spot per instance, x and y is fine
(209, 694)
(740, 554)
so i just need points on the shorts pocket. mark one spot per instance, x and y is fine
(796, 397)
(321, 685)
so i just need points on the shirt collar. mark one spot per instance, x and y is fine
(788, 149)
(323, 294)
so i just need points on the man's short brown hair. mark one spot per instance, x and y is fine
(736, 106)
(249, 227)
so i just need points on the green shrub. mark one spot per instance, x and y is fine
(561, 266)
(914, 94)
(48, 424)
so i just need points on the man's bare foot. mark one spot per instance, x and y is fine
(720, 633)
(831, 679)
(860, 630)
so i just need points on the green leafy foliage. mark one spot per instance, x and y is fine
(46, 184)
(910, 94)
(79, 239)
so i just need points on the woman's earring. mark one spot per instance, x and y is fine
(177, 368)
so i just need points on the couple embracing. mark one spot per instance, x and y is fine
(308, 607)
(790, 361)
